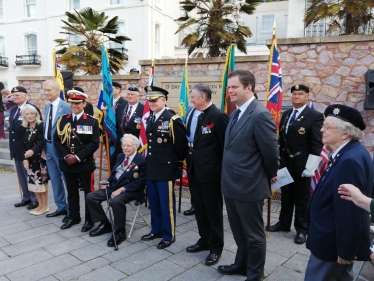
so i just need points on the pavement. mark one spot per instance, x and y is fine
(35, 248)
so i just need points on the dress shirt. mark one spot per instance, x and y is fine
(120, 169)
(244, 106)
(133, 109)
(159, 113)
(193, 121)
(54, 108)
(79, 115)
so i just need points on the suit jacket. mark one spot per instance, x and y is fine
(89, 108)
(16, 134)
(338, 227)
(35, 143)
(167, 147)
(121, 100)
(133, 179)
(251, 155)
(303, 136)
(205, 161)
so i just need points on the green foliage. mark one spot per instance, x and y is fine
(215, 25)
(92, 28)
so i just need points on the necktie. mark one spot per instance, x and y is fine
(235, 119)
(292, 118)
(126, 162)
(17, 113)
(128, 116)
(189, 121)
(153, 119)
(50, 122)
(199, 121)
(75, 119)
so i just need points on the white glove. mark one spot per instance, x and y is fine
(311, 165)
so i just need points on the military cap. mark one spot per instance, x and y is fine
(117, 85)
(19, 89)
(133, 88)
(78, 89)
(76, 95)
(134, 70)
(300, 87)
(347, 114)
(153, 93)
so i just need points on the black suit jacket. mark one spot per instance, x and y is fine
(303, 136)
(205, 161)
(134, 179)
(35, 143)
(16, 134)
(121, 100)
(89, 108)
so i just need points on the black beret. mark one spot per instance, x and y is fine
(133, 88)
(78, 89)
(347, 114)
(153, 93)
(117, 85)
(134, 70)
(19, 89)
(300, 88)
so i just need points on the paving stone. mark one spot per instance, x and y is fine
(285, 274)
(13, 228)
(231, 278)
(72, 232)
(31, 233)
(304, 251)
(106, 273)
(3, 278)
(3, 256)
(44, 269)
(102, 239)
(43, 220)
(186, 226)
(188, 260)
(66, 246)
(91, 252)
(272, 262)
(155, 273)
(297, 263)
(28, 246)
(199, 272)
(49, 278)
(125, 250)
(3, 242)
(232, 248)
(183, 241)
(285, 247)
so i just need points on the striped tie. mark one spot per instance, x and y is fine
(128, 116)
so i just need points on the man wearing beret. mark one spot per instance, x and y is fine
(167, 147)
(15, 145)
(117, 99)
(300, 141)
(76, 140)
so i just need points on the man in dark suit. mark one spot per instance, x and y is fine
(16, 147)
(300, 139)
(126, 183)
(167, 147)
(76, 140)
(204, 165)
(117, 99)
(250, 161)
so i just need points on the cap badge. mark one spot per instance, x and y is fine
(15, 89)
(74, 95)
(149, 89)
(297, 87)
(336, 111)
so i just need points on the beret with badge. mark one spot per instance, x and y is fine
(19, 89)
(300, 87)
(347, 114)
(153, 93)
(133, 88)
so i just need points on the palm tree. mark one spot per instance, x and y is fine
(216, 25)
(92, 29)
(345, 16)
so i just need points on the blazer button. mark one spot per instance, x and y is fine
(149, 153)
(150, 147)
(12, 132)
(150, 134)
(169, 162)
(150, 140)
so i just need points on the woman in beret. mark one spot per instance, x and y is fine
(338, 230)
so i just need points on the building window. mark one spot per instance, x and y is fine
(5, 84)
(74, 40)
(116, 2)
(157, 40)
(267, 23)
(316, 29)
(2, 47)
(31, 8)
(120, 32)
(31, 41)
(1, 10)
(74, 4)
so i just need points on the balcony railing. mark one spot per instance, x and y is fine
(4, 62)
(28, 60)
(123, 51)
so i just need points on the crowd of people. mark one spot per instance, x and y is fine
(229, 159)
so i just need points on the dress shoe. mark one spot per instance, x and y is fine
(189, 212)
(120, 237)
(69, 223)
(300, 238)
(232, 270)
(278, 227)
(151, 236)
(32, 212)
(56, 214)
(41, 212)
(165, 243)
(196, 248)
(87, 226)
(22, 203)
(33, 205)
(101, 229)
(65, 219)
(212, 259)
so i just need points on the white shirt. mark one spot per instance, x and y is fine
(159, 113)
(54, 111)
(245, 106)
(78, 115)
(133, 108)
(115, 100)
(120, 169)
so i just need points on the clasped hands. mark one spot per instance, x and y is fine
(70, 159)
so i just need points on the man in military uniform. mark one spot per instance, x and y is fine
(167, 147)
(117, 99)
(300, 141)
(76, 139)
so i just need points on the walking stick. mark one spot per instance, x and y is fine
(180, 189)
(101, 161)
(109, 210)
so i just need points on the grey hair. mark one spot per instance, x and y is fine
(347, 128)
(132, 137)
(29, 107)
(203, 89)
(54, 83)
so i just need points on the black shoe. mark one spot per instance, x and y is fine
(33, 205)
(278, 227)
(22, 203)
(196, 248)
(151, 236)
(212, 259)
(120, 237)
(56, 214)
(87, 226)
(232, 270)
(189, 212)
(65, 219)
(101, 229)
(165, 243)
(69, 224)
(300, 238)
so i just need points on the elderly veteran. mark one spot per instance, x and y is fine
(339, 230)
(76, 140)
(126, 183)
(167, 147)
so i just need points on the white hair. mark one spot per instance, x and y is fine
(347, 128)
(134, 139)
(29, 107)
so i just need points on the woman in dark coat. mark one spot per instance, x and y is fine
(33, 143)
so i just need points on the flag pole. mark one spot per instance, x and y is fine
(101, 161)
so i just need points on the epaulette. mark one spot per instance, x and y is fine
(91, 116)
(175, 117)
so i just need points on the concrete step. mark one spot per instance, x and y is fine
(4, 143)
(7, 164)
(6, 134)
(4, 153)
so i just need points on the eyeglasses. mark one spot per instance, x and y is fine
(326, 128)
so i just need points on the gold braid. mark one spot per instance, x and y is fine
(171, 127)
(65, 133)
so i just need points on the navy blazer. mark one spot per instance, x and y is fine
(338, 227)
(133, 179)
(16, 134)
